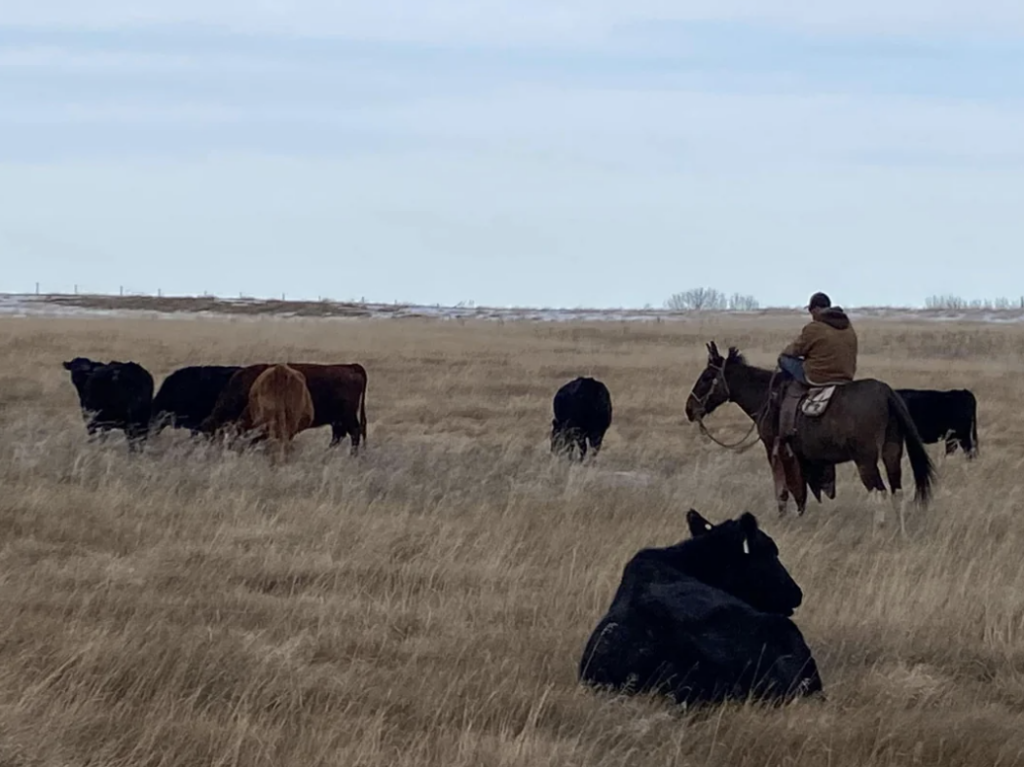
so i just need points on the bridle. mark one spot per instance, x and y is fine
(758, 417)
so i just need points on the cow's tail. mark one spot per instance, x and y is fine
(362, 413)
(920, 462)
(974, 429)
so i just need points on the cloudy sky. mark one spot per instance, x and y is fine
(514, 152)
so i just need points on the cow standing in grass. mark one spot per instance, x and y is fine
(187, 396)
(113, 395)
(279, 407)
(583, 413)
(338, 393)
(704, 621)
(949, 416)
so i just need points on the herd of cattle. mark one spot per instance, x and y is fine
(703, 621)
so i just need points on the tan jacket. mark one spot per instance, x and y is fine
(828, 346)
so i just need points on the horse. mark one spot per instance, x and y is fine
(865, 418)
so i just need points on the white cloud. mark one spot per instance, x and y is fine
(550, 22)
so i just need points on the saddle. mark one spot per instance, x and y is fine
(811, 400)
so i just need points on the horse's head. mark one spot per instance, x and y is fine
(711, 389)
(738, 557)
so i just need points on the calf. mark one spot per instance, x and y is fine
(583, 412)
(704, 621)
(279, 406)
(187, 396)
(113, 395)
(950, 416)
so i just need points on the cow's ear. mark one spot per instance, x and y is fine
(698, 525)
(67, 365)
(748, 523)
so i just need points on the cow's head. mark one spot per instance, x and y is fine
(81, 368)
(82, 365)
(738, 557)
(711, 389)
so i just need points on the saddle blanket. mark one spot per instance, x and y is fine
(815, 402)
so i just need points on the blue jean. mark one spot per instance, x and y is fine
(794, 367)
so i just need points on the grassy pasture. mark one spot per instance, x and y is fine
(425, 604)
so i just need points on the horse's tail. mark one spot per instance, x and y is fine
(920, 462)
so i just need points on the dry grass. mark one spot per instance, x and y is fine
(426, 603)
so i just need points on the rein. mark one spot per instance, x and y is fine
(758, 417)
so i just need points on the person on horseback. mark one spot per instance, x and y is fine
(824, 353)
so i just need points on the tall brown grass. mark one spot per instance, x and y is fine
(426, 603)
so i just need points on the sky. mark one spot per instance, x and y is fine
(549, 153)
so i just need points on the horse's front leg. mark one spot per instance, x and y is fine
(779, 478)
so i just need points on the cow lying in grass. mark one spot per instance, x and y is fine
(704, 621)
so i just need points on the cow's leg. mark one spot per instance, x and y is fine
(581, 444)
(338, 433)
(352, 426)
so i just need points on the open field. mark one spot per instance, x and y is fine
(425, 604)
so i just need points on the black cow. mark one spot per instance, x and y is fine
(187, 396)
(704, 621)
(950, 416)
(113, 395)
(583, 411)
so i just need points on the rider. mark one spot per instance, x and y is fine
(824, 353)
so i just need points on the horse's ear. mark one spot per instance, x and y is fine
(698, 525)
(713, 354)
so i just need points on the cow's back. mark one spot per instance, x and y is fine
(189, 394)
(584, 402)
(280, 403)
(337, 390)
(936, 412)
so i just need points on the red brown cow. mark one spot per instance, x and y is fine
(338, 393)
(279, 406)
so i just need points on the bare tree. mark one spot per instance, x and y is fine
(698, 299)
(741, 303)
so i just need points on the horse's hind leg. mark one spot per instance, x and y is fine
(892, 457)
(871, 477)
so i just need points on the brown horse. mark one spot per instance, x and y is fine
(864, 418)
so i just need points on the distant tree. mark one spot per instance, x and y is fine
(956, 303)
(945, 302)
(740, 303)
(698, 299)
